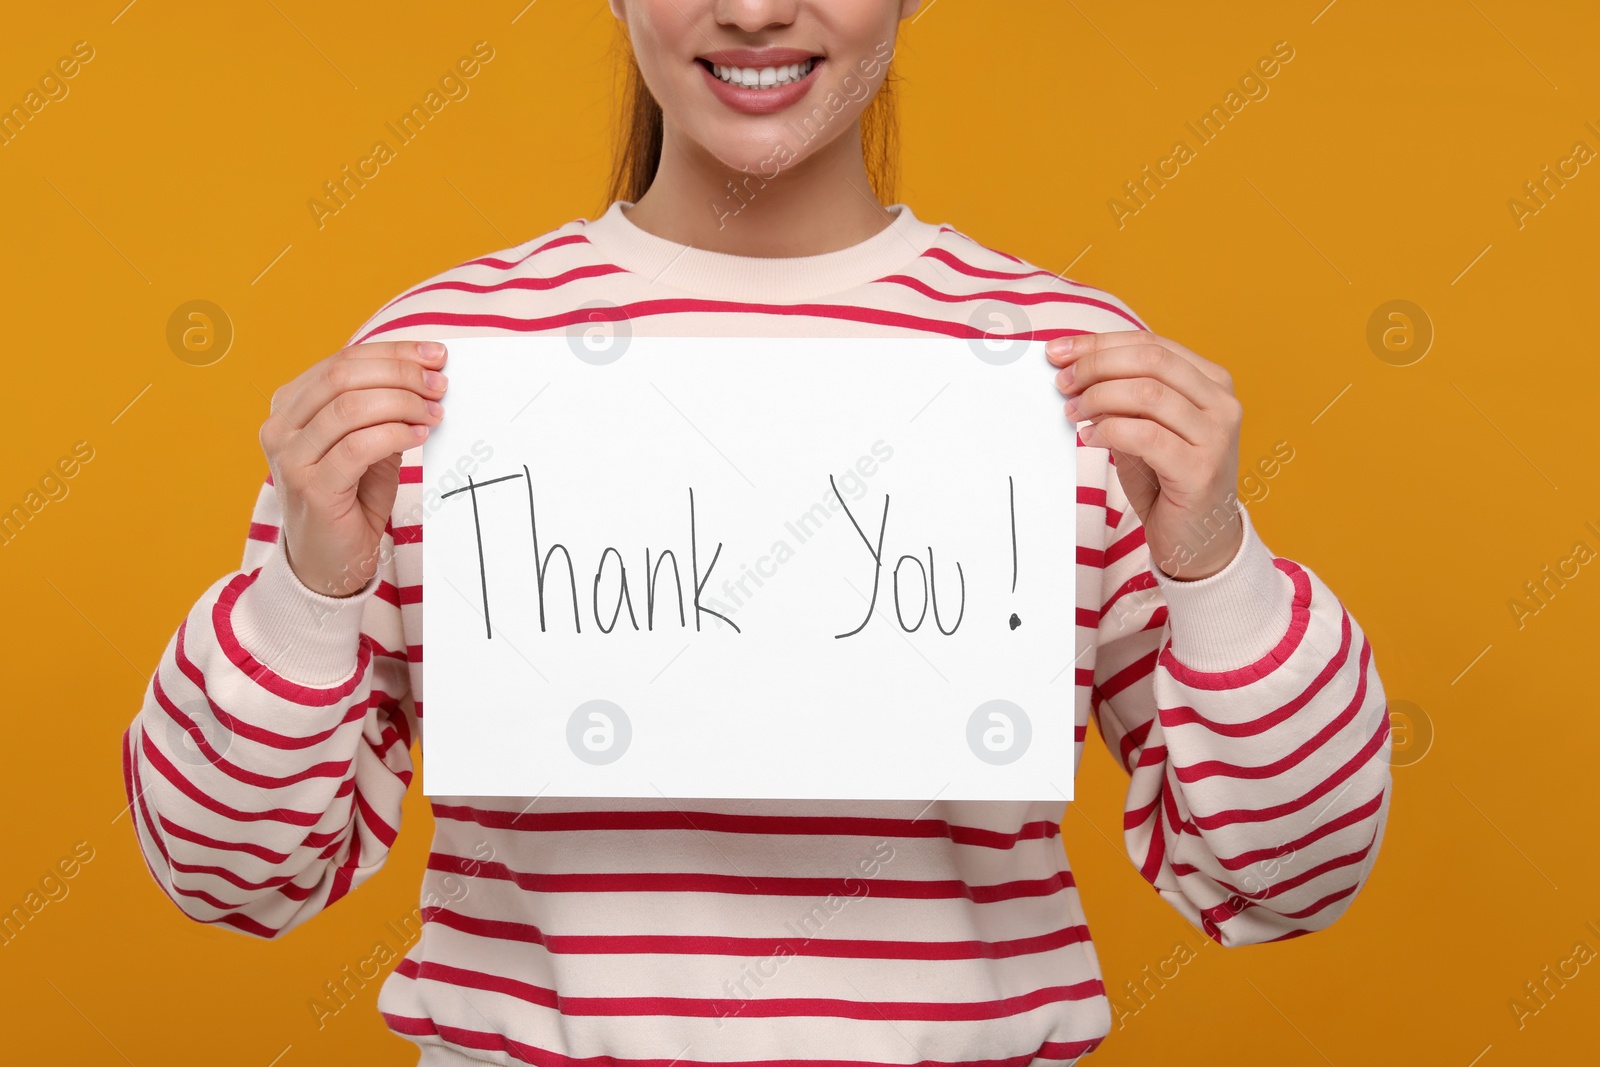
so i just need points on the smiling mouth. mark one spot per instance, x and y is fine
(760, 78)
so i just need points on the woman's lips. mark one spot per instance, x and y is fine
(759, 101)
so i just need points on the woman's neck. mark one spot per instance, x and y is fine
(823, 204)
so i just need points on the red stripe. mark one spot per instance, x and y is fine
(491, 261)
(1355, 815)
(721, 822)
(1137, 584)
(700, 306)
(506, 264)
(757, 885)
(523, 1052)
(1209, 768)
(696, 945)
(1183, 714)
(295, 693)
(261, 531)
(261, 735)
(764, 1008)
(186, 834)
(1366, 755)
(1277, 888)
(1299, 621)
(1128, 675)
(330, 769)
(279, 815)
(1007, 296)
(540, 283)
(1123, 545)
(380, 829)
(945, 256)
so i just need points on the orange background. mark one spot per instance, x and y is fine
(1378, 168)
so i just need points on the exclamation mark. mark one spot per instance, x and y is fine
(1012, 487)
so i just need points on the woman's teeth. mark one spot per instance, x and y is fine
(765, 77)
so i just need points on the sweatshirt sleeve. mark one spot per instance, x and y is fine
(265, 770)
(1247, 710)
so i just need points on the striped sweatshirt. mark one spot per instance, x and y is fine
(268, 762)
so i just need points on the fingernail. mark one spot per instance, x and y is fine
(433, 379)
(1062, 344)
(430, 349)
(435, 408)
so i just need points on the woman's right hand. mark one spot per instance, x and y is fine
(333, 442)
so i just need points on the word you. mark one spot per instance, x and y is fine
(652, 573)
(1581, 554)
(1540, 996)
(52, 87)
(341, 190)
(806, 130)
(1211, 125)
(803, 930)
(53, 486)
(53, 887)
(341, 992)
(802, 528)
(1539, 190)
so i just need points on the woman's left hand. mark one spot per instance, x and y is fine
(1171, 422)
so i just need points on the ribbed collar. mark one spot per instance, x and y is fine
(779, 279)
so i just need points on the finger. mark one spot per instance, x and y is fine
(1145, 398)
(400, 364)
(356, 452)
(1064, 350)
(1141, 360)
(353, 411)
(1161, 450)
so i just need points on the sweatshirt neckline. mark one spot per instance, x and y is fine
(625, 244)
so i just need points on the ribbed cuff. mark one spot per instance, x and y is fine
(295, 632)
(1232, 618)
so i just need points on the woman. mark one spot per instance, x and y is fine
(268, 763)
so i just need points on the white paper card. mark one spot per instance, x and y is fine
(794, 484)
